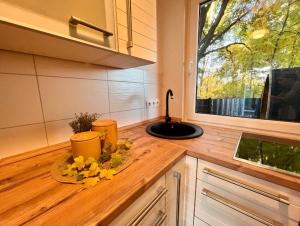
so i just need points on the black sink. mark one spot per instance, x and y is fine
(174, 130)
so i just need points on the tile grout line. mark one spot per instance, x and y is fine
(40, 97)
(68, 77)
(108, 96)
(145, 106)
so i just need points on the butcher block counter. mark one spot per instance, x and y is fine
(30, 196)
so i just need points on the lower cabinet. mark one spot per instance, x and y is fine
(161, 204)
(219, 196)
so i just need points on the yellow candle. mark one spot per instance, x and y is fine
(110, 128)
(86, 144)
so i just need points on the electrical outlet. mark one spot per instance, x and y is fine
(148, 104)
(157, 102)
(153, 103)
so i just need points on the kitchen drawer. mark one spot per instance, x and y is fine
(267, 196)
(216, 206)
(157, 215)
(157, 190)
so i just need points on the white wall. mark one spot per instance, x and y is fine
(39, 97)
(171, 46)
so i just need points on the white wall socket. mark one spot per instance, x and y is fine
(153, 103)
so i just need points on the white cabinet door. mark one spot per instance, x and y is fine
(137, 28)
(175, 181)
(53, 17)
(216, 206)
(267, 198)
(190, 190)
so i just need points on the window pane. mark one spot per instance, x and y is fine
(249, 59)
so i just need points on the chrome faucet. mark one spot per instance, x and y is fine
(168, 118)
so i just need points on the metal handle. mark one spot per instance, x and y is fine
(177, 175)
(139, 217)
(74, 21)
(250, 187)
(161, 219)
(241, 209)
(129, 24)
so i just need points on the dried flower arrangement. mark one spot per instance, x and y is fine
(83, 122)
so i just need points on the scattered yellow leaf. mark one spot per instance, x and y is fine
(90, 182)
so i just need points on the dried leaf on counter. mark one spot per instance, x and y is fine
(90, 182)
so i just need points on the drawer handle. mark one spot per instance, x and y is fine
(250, 187)
(177, 175)
(239, 208)
(129, 24)
(75, 21)
(161, 219)
(139, 217)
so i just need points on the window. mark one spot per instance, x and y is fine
(246, 57)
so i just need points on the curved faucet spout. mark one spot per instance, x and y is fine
(169, 93)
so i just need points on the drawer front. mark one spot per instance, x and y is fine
(218, 207)
(134, 209)
(157, 215)
(253, 191)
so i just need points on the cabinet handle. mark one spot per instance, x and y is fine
(239, 208)
(177, 175)
(74, 21)
(129, 24)
(250, 187)
(139, 217)
(161, 219)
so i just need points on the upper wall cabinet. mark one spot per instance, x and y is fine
(137, 27)
(83, 31)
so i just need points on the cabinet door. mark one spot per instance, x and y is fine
(175, 180)
(53, 17)
(136, 25)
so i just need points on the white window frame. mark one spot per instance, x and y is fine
(190, 88)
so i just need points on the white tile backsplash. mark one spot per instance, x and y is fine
(125, 96)
(63, 97)
(39, 96)
(16, 140)
(19, 100)
(60, 131)
(16, 63)
(128, 117)
(64, 68)
(129, 75)
(152, 91)
(151, 74)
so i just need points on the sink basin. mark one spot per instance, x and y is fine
(174, 130)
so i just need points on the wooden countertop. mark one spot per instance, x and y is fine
(30, 196)
(217, 145)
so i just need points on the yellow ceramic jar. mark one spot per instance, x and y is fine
(109, 126)
(86, 144)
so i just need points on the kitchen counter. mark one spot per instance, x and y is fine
(217, 145)
(30, 196)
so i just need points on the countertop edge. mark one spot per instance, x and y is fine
(114, 213)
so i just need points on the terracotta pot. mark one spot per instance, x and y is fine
(86, 144)
(110, 128)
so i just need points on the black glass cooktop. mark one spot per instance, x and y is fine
(269, 152)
